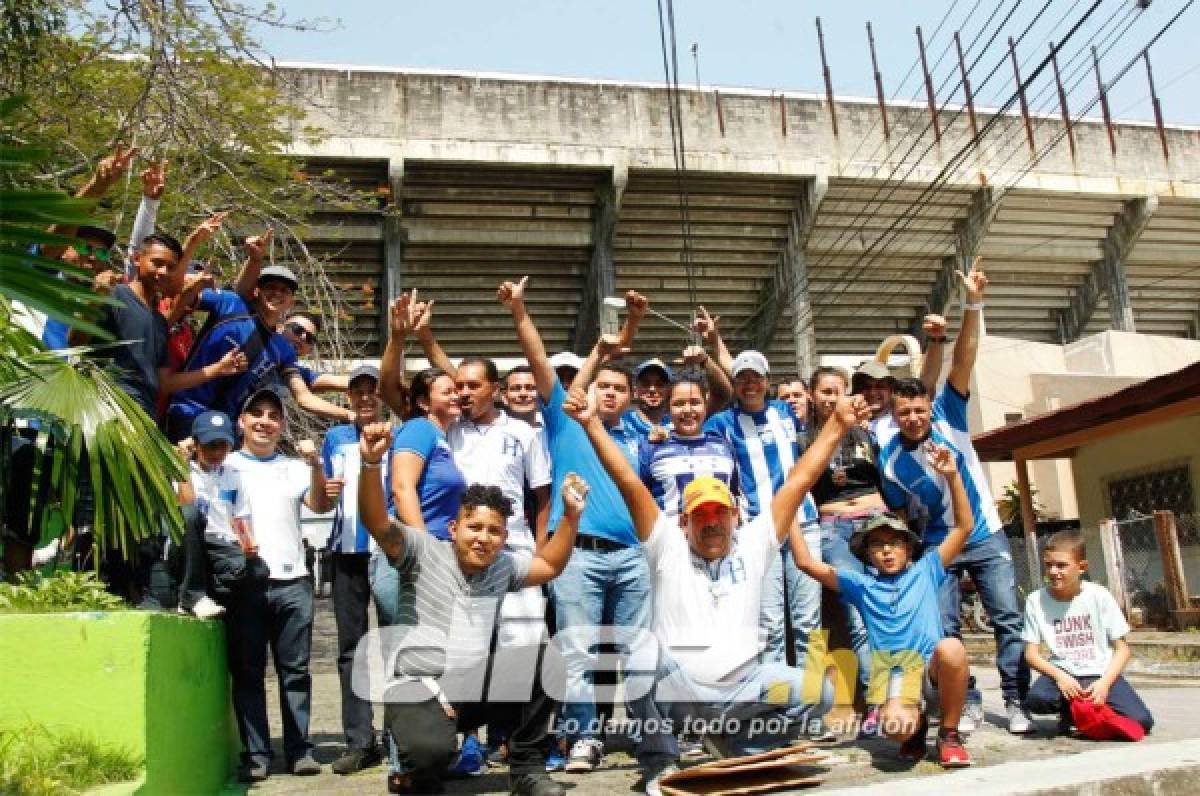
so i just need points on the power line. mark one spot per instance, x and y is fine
(1038, 157)
(891, 180)
(944, 175)
(1017, 146)
(675, 114)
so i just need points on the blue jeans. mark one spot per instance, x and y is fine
(750, 716)
(803, 602)
(385, 588)
(597, 588)
(835, 550)
(278, 613)
(990, 565)
(1044, 697)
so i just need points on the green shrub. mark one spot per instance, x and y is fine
(37, 762)
(34, 593)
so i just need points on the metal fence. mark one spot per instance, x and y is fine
(1029, 580)
(1141, 568)
(1152, 567)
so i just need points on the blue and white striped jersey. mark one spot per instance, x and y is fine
(669, 466)
(766, 446)
(340, 456)
(905, 470)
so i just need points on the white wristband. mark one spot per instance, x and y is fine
(977, 307)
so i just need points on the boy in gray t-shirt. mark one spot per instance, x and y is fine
(449, 599)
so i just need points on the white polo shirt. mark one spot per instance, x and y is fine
(507, 453)
(275, 488)
(706, 612)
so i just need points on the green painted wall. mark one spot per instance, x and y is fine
(153, 683)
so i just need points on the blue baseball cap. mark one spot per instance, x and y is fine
(652, 364)
(212, 427)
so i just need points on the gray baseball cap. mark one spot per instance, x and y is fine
(280, 272)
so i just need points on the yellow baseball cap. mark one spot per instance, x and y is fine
(705, 489)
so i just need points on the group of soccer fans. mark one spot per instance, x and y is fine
(676, 511)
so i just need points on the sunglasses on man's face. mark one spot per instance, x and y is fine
(100, 253)
(302, 333)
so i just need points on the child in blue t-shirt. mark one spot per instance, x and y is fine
(898, 600)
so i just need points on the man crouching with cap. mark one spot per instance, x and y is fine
(898, 600)
(278, 610)
(449, 599)
(708, 581)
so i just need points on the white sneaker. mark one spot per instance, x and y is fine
(1019, 720)
(653, 788)
(586, 754)
(207, 608)
(972, 714)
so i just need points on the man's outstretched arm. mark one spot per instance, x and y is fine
(373, 445)
(850, 412)
(967, 345)
(512, 295)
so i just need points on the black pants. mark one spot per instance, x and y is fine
(425, 735)
(351, 599)
(191, 559)
(279, 614)
(1045, 698)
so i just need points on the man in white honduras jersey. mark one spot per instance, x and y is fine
(764, 436)
(906, 472)
(277, 611)
(708, 571)
(494, 449)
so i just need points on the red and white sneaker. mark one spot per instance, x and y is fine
(951, 752)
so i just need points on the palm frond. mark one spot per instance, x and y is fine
(132, 467)
(94, 426)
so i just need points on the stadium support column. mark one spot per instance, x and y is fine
(788, 286)
(969, 233)
(393, 244)
(1107, 278)
(601, 277)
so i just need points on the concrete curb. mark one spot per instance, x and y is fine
(1159, 768)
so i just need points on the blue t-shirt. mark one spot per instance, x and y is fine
(669, 466)
(905, 471)
(605, 514)
(340, 455)
(900, 611)
(766, 444)
(441, 486)
(231, 323)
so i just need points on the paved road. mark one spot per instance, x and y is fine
(1175, 710)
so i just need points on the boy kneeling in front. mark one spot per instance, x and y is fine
(449, 599)
(898, 600)
(1085, 631)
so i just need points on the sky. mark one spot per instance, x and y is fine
(771, 44)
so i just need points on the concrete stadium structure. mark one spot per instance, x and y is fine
(806, 241)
